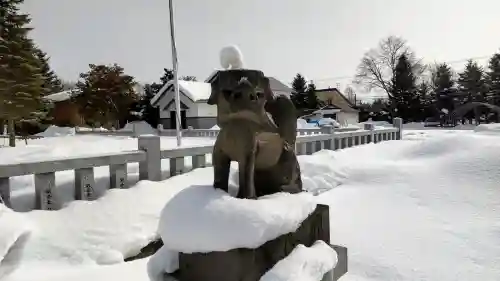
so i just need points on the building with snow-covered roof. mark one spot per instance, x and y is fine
(64, 111)
(195, 112)
(62, 96)
(338, 106)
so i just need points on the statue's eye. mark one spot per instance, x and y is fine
(260, 95)
(226, 93)
(237, 95)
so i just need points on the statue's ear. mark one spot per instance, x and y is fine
(268, 93)
(213, 99)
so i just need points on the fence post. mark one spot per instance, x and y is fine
(118, 176)
(328, 130)
(84, 184)
(46, 197)
(134, 130)
(150, 169)
(369, 127)
(398, 123)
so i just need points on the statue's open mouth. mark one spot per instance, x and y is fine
(245, 115)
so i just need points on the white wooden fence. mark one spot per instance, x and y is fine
(198, 132)
(149, 156)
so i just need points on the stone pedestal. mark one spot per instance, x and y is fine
(251, 264)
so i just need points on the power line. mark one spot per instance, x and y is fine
(447, 62)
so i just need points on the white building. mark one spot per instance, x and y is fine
(338, 107)
(195, 112)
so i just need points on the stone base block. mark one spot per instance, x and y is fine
(251, 264)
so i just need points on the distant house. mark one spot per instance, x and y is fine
(337, 106)
(195, 112)
(278, 87)
(64, 111)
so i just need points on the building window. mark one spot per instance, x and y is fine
(331, 115)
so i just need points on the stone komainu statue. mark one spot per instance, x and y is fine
(258, 130)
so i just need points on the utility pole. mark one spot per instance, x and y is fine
(178, 123)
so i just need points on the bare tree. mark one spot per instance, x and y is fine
(188, 78)
(68, 85)
(378, 64)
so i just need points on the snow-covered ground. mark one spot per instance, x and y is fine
(424, 208)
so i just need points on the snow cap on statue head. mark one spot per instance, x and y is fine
(231, 57)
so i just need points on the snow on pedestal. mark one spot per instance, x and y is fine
(304, 264)
(202, 219)
(209, 235)
(163, 261)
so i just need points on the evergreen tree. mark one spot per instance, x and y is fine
(424, 91)
(299, 96)
(443, 85)
(493, 78)
(442, 78)
(168, 74)
(427, 100)
(52, 83)
(150, 114)
(404, 99)
(20, 76)
(311, 97)
(299, 84)
(107, 95)
(472, 85)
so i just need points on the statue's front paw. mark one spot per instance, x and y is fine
(246, 195)
(222, 186)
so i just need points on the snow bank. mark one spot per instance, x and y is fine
(139, 128)
(133, 271)
(304, 264)
(488, 128)
(413, 209)
(14, 233)
(216, 127)
(104, 231)
(86, 129)
(202, 219)
(54, 131)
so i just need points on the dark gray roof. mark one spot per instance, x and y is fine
(275, 84)
(278, 86)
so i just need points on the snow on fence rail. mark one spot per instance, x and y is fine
(149, 156)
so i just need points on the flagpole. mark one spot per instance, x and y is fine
(176, 76)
